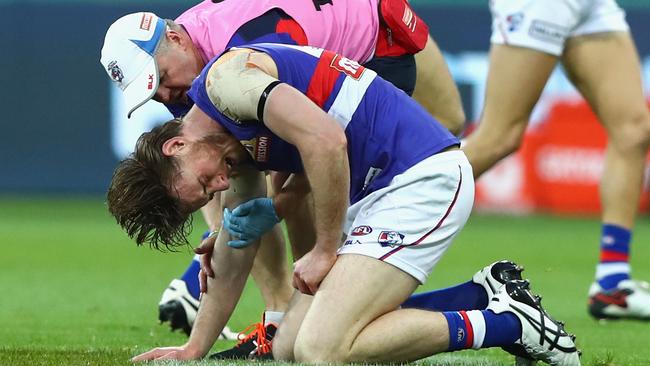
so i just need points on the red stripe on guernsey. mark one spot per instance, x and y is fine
(322, 82)
(469, 339)
(294, 30)
(609, 256)
(453, 202)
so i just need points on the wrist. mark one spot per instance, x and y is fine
(194, 351)
(323, 248)
(278, 208)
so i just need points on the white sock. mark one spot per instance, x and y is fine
(274, 317)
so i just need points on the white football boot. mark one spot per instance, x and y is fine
(492, 277)
(495, 275)
(542, 337)
(179, 307)
(629, 300)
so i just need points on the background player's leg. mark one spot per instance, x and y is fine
(605, 68)
(515, 81)
(436, 90)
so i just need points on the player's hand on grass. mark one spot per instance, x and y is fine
(310, 270)
(205, 250)
(249, 221)
(166, 353)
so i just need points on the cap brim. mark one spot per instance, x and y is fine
(142, 88)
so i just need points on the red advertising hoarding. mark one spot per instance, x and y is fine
(557, 169)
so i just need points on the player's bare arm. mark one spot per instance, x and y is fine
(236, 84)
(231, 268)
(286, 199)
(323, 149)
(212, 213)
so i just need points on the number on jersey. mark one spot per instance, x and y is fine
(347, 66)
(319, 3)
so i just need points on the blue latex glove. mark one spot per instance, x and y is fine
(249, 221)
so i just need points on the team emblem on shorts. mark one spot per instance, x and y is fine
(390, 238)
(361, 230)
(514, 21)
(115, 71)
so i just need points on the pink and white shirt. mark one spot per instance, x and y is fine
(348, 27)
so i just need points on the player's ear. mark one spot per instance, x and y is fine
(173, 146)
(174, 37)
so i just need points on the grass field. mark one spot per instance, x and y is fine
(76, 291)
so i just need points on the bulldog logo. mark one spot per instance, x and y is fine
(115, 72)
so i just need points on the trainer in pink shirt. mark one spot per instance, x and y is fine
(349, 27)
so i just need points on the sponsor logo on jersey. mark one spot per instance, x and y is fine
(514, 21)
(390, 238)
(262, 149)
(116, 73)
(150, 82)
(548, 32)
(145, 22)
(347, 66)
(249, 145)
(258, 148)
(361, 230)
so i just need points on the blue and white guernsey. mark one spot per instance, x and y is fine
(387, 131)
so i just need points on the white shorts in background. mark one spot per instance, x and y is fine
(412, 222)
(545, 25)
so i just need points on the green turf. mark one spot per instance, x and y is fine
(76, 290)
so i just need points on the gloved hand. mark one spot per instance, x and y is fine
(249, 221)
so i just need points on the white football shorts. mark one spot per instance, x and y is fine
(411, 222)
(545, 25)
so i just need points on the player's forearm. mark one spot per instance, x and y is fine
(212, 212)
(231, 268)
(323, 148)
(291, 196)
(327, 169)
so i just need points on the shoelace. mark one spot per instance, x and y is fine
(258, 336)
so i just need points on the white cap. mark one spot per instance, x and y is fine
(128, 56)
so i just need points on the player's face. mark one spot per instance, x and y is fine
(177, 69)
(203, 172)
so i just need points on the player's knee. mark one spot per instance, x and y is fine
(641, 123)
(312, 348)
(510, 144)
(633, 133)
(496, 142)
(455, 122)
(282, 347)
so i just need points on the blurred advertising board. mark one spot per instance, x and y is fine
(557, 169)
